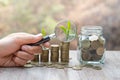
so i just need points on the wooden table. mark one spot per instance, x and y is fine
(110, 71)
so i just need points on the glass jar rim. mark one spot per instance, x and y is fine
(87, 30)
(91, 28)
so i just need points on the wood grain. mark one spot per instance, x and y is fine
(110, 71)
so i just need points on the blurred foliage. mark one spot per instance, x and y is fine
(4, 2)
(31, 15)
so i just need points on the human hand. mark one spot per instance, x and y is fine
(15, 52)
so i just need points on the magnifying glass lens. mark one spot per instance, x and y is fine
(65, 31)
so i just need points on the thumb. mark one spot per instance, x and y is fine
(28, 38)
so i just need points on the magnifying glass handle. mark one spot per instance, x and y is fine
(45, 39)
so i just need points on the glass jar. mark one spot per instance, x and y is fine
(91, 45)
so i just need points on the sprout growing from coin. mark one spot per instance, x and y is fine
(67, 29)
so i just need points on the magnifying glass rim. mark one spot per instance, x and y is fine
(62, 21)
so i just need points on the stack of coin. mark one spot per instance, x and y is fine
(65, 51)
(54, 53)
(45, 55)
(92, 50)
(35, 60)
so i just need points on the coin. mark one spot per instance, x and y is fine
(54, 59)
(65, 43)
(55, 47)
(28, 65)
(83, 50)
(86, 56)
(59, 66)
(93, 38)
(54, 56)
(45, 55)
(77, 67)
(96, 57)
(36, 59)
(100, 51)
(88, 65)
(64, 51)
(102, 40)
(85, 43)
(97, 67)
(40, 65)
(95, 44)
(54, 53)
(64, 60)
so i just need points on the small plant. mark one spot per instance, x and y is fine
(67, 29)
(43, 31)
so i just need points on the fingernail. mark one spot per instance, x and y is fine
(39, 35)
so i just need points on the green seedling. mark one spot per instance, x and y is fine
(43, 31)
(67, 29)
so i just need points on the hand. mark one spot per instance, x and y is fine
(15, 52)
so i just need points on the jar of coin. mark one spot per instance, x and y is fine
(91, 45)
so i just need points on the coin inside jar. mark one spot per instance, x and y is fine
(86, 56)
(95, 44)
(100, 51)
(102, 40)
(85, 43)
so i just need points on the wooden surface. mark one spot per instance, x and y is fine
(110, 71)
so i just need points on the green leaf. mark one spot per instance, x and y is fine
(43, 32)
(63, 29)
(68, 25)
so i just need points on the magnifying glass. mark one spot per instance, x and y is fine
(64, 31)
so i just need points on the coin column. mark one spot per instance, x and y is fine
(65, 51)
(36, 59)
(54, 53)
(45, 55)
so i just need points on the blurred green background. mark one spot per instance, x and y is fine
(31, 15)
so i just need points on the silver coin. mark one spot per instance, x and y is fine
(28, 65)
(59, 66)
(102, 40)
(77, 67)
(85, 43)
